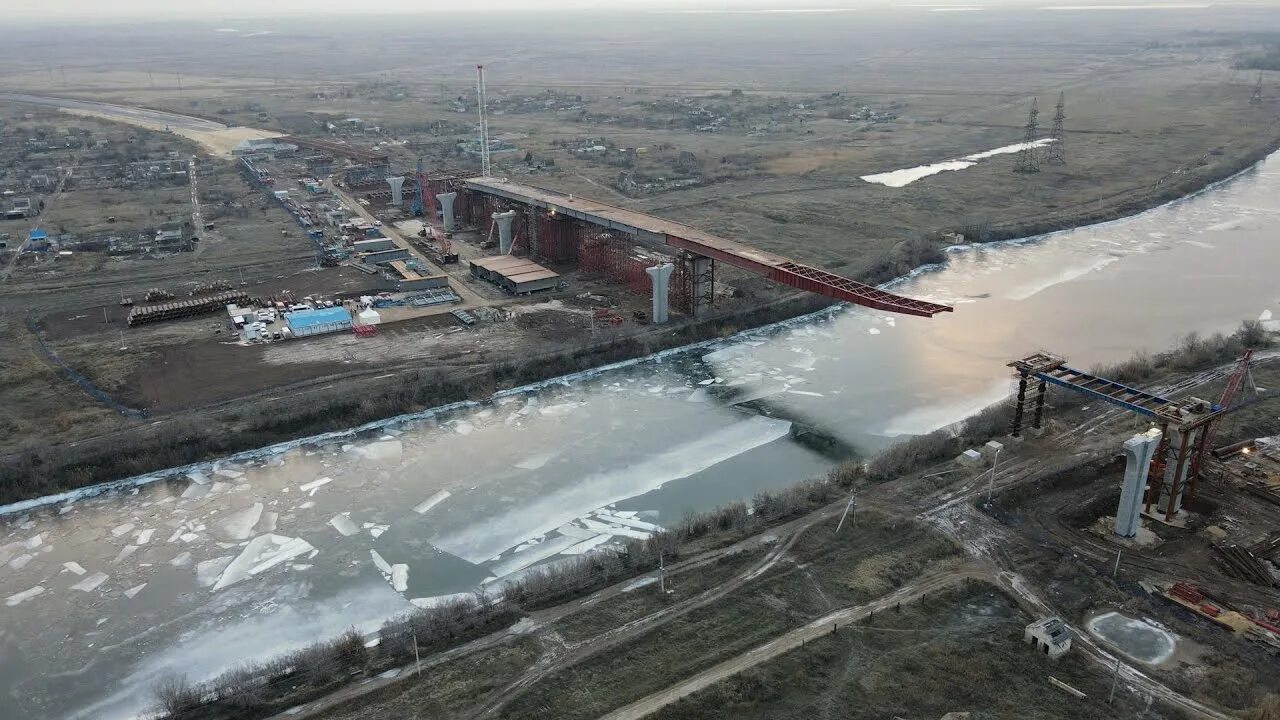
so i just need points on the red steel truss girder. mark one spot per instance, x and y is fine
(814, 280)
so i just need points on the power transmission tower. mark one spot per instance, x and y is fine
(1257, 91)
(1056, 152)
(1028, 158)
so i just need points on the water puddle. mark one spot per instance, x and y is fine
(1141, 640)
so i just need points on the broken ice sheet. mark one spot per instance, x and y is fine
(431, 502)
(261, 554)
(239, 524)
(400, 577)
(25, 595)
(314, 485)
(343, 523)
(91, 583)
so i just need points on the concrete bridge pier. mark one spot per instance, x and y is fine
(702, 271)
(1138, 452)
(446, 209)
(661, 276)
(505, 238)
(397, 190)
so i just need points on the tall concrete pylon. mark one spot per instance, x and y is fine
(505, 237)
(661, 276)
(446, 209)
(1138, 452)
(397, 185)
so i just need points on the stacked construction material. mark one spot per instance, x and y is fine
(185, 308)
(1239, 562)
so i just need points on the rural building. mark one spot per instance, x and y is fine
(1050, 636)
(317, 322)
(37, 241)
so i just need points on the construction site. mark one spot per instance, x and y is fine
(655, 368)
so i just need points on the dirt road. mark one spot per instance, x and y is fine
(796, 638)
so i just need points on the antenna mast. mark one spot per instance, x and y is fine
(484, 122)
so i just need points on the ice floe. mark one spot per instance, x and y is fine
(343, 523)
(239, 524)
(261, 554)
(133, 591)
(91, 583)
(74, 567)
(314, 485)
(25, 595)
(431, 502)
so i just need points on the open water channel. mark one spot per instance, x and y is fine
(261, 553)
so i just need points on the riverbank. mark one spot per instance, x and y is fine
(736, 538)
(334, 404)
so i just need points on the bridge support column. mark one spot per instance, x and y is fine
(505, 238)
(397, 190)
(446, 210)
(702, 271)
(1038, 421)
(661, 276)
(1175, 471)
(1019, 406)
(1138, 452)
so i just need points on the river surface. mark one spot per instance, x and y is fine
(259, 554)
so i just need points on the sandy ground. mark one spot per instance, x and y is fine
(217, 142)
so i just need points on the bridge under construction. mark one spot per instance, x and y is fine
(567, 228)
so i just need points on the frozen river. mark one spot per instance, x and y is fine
(261, 554)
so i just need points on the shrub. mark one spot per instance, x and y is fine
(175, 695)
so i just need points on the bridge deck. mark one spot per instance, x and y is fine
(679, 235)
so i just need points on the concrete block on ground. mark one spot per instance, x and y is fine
(970, 458)
(991, 448)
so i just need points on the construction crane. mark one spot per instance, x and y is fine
(425, 205)
(1229, 393)
(57, 192)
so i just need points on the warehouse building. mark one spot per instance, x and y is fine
(516, 275)
(411, 280)
(319, 321)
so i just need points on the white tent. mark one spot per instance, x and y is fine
(369, 316)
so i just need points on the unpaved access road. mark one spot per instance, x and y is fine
(796, 638)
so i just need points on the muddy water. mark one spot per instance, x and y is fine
(259, 554)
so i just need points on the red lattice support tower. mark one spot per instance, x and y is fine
(558, 239)
(612, 258)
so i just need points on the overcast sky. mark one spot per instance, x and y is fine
(231, 9)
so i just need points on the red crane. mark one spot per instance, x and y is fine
(1229, 394)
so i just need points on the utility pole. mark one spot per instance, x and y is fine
(991, 485)
(845, 514)
(1114, 679)
(1056, 153)
(1116, 570)
(1028, 159)
(417, 661)
(662, 573)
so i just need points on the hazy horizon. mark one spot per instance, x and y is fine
(234, 10)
